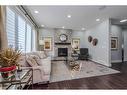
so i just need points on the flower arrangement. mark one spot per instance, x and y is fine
(9, 57)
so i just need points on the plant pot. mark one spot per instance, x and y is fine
(7, 72)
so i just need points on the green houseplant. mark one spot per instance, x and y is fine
(8, 61)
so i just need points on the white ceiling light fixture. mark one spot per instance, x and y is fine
(63, 27)
(69, 16)
(42, 25)
(124, 20)
(98, 19)
(83, 28)
(36, 12)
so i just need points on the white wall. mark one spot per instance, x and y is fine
(47, 33)
(125, 44)
(101, 52)
(79, 34)
(116, 55)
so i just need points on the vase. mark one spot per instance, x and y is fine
(7, 72)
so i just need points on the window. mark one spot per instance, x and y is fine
(28, 39)
(21, 34)
(10, 28)
(33, 40)
(19, 31)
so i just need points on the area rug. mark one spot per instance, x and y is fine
(61, 72)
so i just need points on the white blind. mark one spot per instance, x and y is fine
(28, 39)
(21, 34)
(33, 40)
(10, 27)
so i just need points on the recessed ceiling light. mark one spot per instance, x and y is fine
(69, 16)
(63, 27)
(97, 19)
(36, 12)
(42, 25)
(83, 28)
(124, 20)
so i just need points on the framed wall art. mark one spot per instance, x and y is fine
(76, 43)
(90, 39)
(114, 43)
(95, 41)
(47, 43)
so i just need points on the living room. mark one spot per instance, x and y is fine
(62, 45)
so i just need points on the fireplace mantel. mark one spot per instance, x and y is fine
(62, 43)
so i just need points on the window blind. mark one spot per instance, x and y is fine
(10, 27)
(21, 34)
(28, 39)
(33, 40)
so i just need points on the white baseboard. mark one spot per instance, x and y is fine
(116, 61)
(101, 62)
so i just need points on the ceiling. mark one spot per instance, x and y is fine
(81, 16)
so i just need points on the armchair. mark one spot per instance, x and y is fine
(84, 55)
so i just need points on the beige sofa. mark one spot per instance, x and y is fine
(41, 72)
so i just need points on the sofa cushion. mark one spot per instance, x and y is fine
(37, 59)
(40, 54)
(31, 61)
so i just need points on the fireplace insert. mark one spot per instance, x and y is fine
(62, 52)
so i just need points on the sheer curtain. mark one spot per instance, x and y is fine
(3, 35)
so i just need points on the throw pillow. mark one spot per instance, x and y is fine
(31, 61)
(37, 59)
(40, 54)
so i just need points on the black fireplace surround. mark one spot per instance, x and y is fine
(62, 52)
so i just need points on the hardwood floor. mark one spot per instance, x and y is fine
(114, 81)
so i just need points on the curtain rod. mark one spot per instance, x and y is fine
(27, 15)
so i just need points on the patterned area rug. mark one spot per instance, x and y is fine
(61, 72)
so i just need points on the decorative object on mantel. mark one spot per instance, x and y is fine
(8, 61)
(95, 41)
(76, 43)
(90, 39)
(62, 43)
(47, 43)
(114, 43)
(73, 49)
(63, 37)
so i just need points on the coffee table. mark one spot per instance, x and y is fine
(73, 64)
(19, 81)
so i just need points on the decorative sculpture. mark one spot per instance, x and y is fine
(90, 39)
(95, 41)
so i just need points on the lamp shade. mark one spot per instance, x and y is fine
(41, 42)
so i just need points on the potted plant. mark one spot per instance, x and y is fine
(8, 62)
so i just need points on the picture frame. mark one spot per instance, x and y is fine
(114, 43)
(47, 43)
(76, 43)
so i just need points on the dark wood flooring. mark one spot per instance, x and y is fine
(113, 81)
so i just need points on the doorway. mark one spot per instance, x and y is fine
(118, 44)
